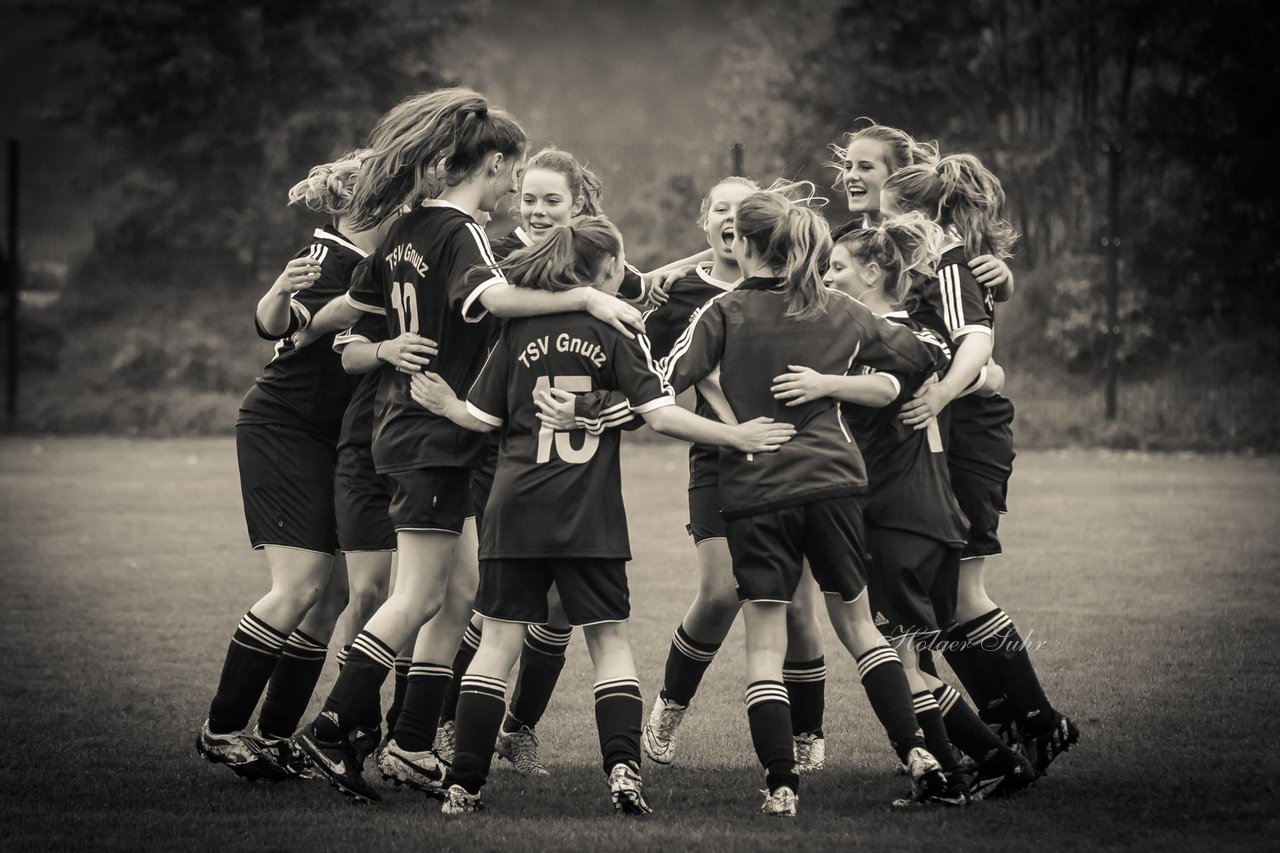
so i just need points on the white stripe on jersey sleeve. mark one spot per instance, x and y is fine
(341, 340)
(682, 344)
(968, 330)
(486, 253)
(483, 416)
(952, 308)
(322, 234)
(360, 306)
(300, 310)
(654, 404)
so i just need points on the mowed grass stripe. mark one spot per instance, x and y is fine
(1150, 583)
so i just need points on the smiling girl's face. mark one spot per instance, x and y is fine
(865, 169)
(546, 202)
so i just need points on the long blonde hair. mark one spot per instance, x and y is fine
(793, 238)
(571, 256)
(961, 193)
(901, 148)
(329, 187)
(426, 143)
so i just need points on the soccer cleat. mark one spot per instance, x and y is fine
(626, 790)
(1043, 749)
(659, 736)
(237, 751)
(929, 785)
(810, 752)
(338, 762)
(446, 743)
(421, 771)
(284, 754)
(521, 749)
(1000, 774)
(458, 802)
(780, 802)
(366, 742)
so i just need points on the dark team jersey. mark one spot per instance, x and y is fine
(422, 281)
(977, 431)
(746, 339)
(559, 493)
(909, 488)
(307, 388)
(631, 289)
(357, 422)
(664, 325)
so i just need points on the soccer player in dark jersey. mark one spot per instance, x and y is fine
(286, 439)
(866, 159)
(554, 189)
(985, 649)
(806, 500)
(915, 529)
(446, 156)
(555, 515)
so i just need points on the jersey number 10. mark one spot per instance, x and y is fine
(563, 441)
(405, 300)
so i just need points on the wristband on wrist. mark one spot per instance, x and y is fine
(377, 351)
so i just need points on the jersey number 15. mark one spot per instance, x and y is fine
(563, 441)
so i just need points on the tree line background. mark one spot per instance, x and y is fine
(197, 116)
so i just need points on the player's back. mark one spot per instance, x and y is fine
(558, 493)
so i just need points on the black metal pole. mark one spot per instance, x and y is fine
(1111, 243)
(14, 274)
(736, 150)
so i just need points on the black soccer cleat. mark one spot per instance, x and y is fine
(1044, 748)
(238, 751)
(340, 764)
(1002, 773)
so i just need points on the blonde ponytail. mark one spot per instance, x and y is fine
(571, 256)
(329, 187)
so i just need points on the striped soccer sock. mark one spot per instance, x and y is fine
(964, 727)
(292, 683)
(1003, 653)
(769, 716)
(619, 714)
(541, 660)
(402, 665)
(416, 726)
(886, 685)
(687, 662)
(251, 657)
(929, 718)
(461, 660)
(806, 683)
(367, 667)
(481, 703)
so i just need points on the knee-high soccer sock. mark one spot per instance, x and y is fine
(886, 684)
(929, 718)
(416, 726)
(466, 651)
(342, 655)
(969, 665)
(806, 683)
(769, 716)
(251, 656)
(292, 683)
(481, 703)
(687, 662)
(397, 696)
(541, 660)
(965, 728)
(1003, 652)
(367, 667)
(619, 712)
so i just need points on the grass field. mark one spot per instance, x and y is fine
(1148, 585)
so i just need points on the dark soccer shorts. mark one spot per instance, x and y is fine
(592, 590)
(705, 519)
(482, 483)
(769, 550)
(430, 499)
(286, 482)
(362, 502)
(912, 582)
(983, 501)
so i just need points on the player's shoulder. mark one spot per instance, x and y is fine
(511, 242)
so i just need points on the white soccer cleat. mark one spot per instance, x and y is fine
(626, 790)
(458, 802)
(780, 802)
(810, 752)
(419, 770)
(446, 741)
(659, 735)
(521, 749)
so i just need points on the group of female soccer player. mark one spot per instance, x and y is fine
(436, 441)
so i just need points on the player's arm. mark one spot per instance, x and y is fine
(432, 393)
(593, 411)
(994, 274)
(659, 281)
(504, 300)
(278, 315)
(868, 387)
(364, 296)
